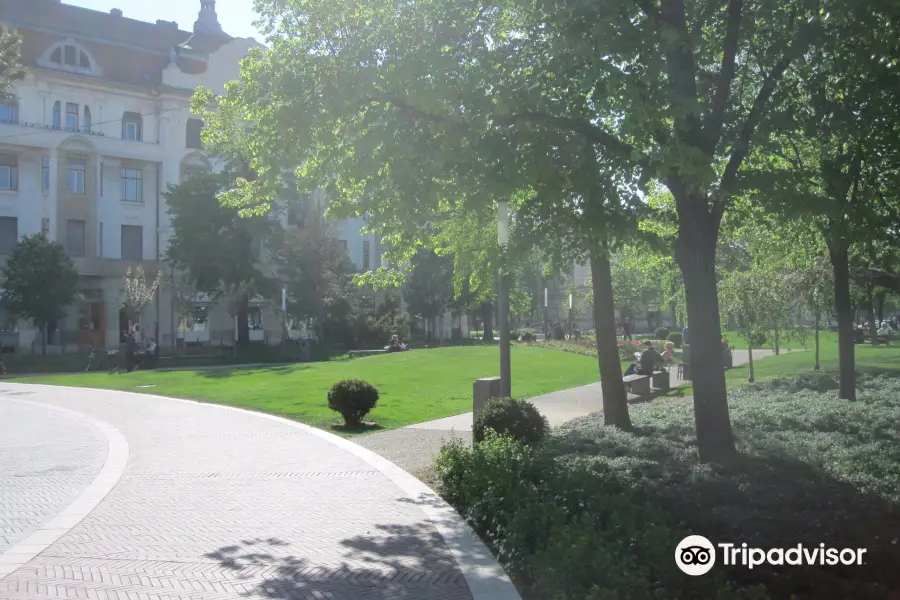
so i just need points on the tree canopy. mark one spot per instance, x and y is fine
(40, 282)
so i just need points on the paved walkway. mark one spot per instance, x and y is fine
(415, 446)
(112, 495)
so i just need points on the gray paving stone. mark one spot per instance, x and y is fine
(220, 504)
(47, 458)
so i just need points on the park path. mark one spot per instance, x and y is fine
(415, 446)
(125, 496)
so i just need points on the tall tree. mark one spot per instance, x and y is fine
(40, 282)
(467, 87)
(429, 288)
(11, 67)
(836, 143)
(219, 249)
(315, 269)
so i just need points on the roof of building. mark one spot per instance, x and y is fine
(126, 50)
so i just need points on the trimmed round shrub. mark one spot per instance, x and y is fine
(518, 419)
(353, 398)
(662, 333)
(675, 337)
(528, 337)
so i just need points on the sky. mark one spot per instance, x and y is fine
(235, 16)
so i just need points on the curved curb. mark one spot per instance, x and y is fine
(483, 574)
(109, 475)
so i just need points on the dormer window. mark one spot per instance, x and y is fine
(70, 56)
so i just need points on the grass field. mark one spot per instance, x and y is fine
(787, 339)
(415, 386)
(793, 363)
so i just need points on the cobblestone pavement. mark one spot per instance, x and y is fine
(47, 458)
(224, 504)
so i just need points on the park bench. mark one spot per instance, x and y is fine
(637, 384)
(360, 353)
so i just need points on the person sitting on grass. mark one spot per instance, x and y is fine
(647, 363)
(884, 331)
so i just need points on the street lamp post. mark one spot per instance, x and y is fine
(503, 297)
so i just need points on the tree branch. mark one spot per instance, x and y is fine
(712, 131)
(742, 144)
(583, 127)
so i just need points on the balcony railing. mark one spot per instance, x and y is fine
(83, 130)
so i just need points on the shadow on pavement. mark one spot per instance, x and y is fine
(391, 562)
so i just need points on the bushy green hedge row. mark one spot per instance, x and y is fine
(595, 513)
(567, 533)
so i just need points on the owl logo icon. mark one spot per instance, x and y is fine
(695, 555)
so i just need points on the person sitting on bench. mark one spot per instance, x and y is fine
(396, 345)
(648, 361)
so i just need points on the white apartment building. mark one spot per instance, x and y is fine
(94, 135)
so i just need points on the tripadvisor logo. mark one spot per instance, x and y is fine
(696, 555)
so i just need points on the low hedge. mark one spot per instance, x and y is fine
(596, 513)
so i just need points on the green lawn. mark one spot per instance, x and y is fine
(794, 363)
(788, 339)
(415, 386)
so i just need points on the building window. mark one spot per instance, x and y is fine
(342, 244)
(132, 185)
(9, 172)
(9, 234)
(75, 237)
(70, 56)
(75, 176)
(365, 255)
(194, 134)
(9, 111)
(132, 242)
(56, 117)
(87, 120)
(132, 127)
(71, 116)
(56, 56)
(84, 63)
(45, 227)
(45, 173)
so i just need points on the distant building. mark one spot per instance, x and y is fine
(97, 131)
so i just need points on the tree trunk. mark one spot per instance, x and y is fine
(777, 341)
(752, 377)
(870, 314)
(879, 298)
(44, 339)
(696, 256)
(615, 399)
(818, 326)
(487, 315)
(840, 262)
(243, 322)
